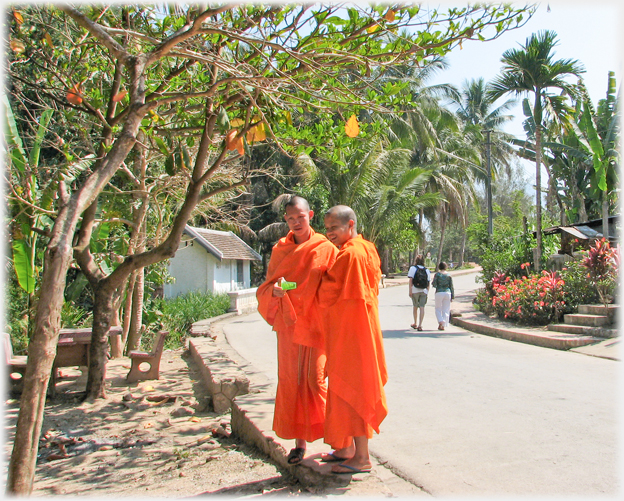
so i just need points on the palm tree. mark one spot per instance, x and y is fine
(531, 69)
(480, 118)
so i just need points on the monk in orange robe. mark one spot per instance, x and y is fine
(302, 257)
(356, 365)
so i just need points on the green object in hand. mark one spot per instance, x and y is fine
(287, 286)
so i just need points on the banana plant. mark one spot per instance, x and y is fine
(31, 200)
(23, 169)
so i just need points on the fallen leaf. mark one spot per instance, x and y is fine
(148, 388)
(147, 425)
(352, 127)
(203, 439)
(195, 419)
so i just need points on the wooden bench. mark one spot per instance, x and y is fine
(152, 359)
(15, 363)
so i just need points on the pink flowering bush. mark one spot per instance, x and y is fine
(536, 299)
(602, 263)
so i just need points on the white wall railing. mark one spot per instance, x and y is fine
(243, 301)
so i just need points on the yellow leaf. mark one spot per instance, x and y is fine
(289, 118)
(237, 122)
(256, 133)
(352, 127)
(119, 96)
(19, 19)
(148, 388)
(195, 419)
(48, 40)
(389, 16)
(373, 28)
(17, 46)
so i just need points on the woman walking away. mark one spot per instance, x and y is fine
(443, 296)
(419, 279)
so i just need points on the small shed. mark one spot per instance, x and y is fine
(582, 235)
(210, 261)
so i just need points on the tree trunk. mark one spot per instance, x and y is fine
(136, 317)
(98, 350)
(605, 214)
(442, 233)
(460, 262)
(538, 179)
(115, 341)
(41, 353)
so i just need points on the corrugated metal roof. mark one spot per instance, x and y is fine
(222, 244)
(582, 232)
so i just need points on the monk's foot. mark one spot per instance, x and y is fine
(345, 452)
(351, 467)
(296, 455)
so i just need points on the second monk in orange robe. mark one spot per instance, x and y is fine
(302, 257)
(356, 365)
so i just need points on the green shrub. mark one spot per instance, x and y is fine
(178, 314)
(578, 288)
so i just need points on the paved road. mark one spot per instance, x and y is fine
(474, 415)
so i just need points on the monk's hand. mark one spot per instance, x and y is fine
(277, 288)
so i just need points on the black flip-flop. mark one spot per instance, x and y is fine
(332, 458)
(353, 470)
(296, 455)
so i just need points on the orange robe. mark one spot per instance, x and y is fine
(301, 388)
(356, 364)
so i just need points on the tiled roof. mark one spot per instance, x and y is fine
(222, 244)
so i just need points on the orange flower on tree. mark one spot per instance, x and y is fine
(73, 95)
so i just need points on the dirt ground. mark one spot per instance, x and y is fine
(151, 438)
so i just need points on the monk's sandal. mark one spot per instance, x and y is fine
(296, 455)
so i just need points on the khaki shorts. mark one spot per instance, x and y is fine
(419, 299)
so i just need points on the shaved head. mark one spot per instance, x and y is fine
(297, 201)
(343, 213)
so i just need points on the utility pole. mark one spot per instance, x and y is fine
(488, 145)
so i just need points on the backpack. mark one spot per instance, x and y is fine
(420, 278)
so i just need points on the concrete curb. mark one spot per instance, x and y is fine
(550, 340)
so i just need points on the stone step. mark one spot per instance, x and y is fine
(598, 309)
(588, 320)
(584, 330)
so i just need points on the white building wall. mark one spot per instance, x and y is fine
(189, 267)
(223, 276)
